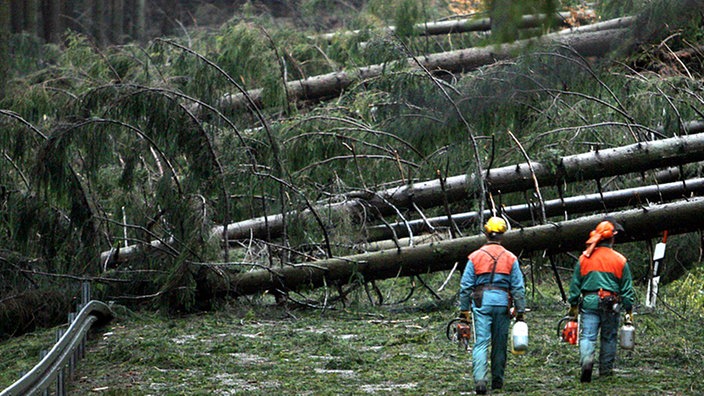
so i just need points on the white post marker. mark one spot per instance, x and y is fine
(658, 256)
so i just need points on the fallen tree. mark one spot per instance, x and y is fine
(636, 157)
(464, 25)
(591, 43)
(568, 206)
(640, 224)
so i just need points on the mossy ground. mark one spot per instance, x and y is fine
(259, 348)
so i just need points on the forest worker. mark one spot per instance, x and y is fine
(491, 280)
(603, 283)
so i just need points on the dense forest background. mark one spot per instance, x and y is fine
(139, 138)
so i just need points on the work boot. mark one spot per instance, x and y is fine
(481, 388)
(586, 372)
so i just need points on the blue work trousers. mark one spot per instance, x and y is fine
(592, 321)
(491, 324)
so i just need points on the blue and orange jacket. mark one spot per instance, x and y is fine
(604, 269)
(507, 276)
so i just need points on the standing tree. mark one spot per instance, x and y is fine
(51, 22)
(4, 44)
(117, 19)
(139, 20)
(31, 16)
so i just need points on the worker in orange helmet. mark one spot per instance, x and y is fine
(491, 280)
(601, 286)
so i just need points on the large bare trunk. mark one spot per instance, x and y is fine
(591, 165)
(643, 223)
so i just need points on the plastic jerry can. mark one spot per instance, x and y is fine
(519, 338)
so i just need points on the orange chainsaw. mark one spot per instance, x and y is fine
(462, 332)
(570, 332)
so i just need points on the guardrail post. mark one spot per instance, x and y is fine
(85, 293)
(73, 358)
(42, 354)
(60, 383)
(60, 389)
(85, 298)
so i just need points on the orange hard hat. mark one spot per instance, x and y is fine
(604, 230)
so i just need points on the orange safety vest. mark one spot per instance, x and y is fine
(484, 258)
(603, 259)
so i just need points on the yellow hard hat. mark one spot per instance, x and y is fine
(495, 225)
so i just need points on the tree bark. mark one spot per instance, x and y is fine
(587, 44)
(637, 157)
(639, 224)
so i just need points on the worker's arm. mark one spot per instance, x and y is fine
(626, 286)
(466, 286)
(575, 287)
(518, 289)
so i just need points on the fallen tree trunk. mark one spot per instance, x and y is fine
(637, 157)
(580, 204)
(640, 224)
(593, 165)
(478, 25)
(591, 43)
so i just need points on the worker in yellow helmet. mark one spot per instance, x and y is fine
(492, 281)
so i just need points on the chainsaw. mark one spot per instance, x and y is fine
(570, 332)
(462, 332)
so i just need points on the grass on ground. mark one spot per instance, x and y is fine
(260, 348)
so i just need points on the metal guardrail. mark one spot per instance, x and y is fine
(60, 362)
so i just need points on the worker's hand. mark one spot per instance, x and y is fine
(573, 312)
(519, 317)
(629, 318)
(465, 316)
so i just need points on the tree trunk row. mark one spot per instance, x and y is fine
(478, 25)
(591, 43)
(107, 22)
(640, 224)
(637, 157)
(567, 207)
